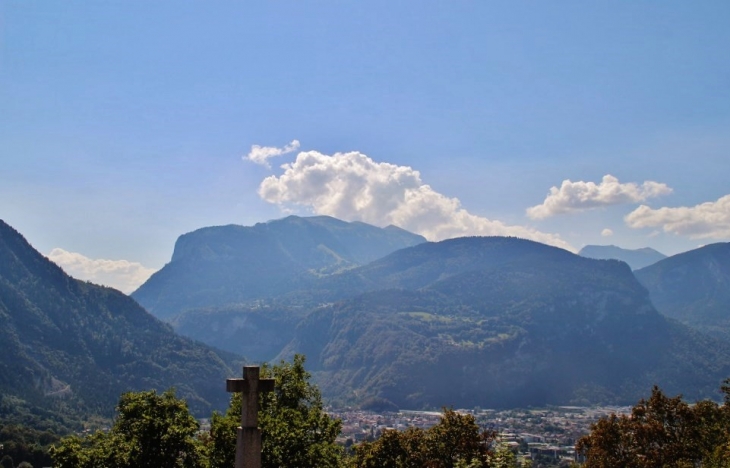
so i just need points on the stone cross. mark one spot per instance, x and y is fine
(248, 441)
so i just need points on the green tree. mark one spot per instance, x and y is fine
(660, 432)
(296, 431)
(456, 438)
(503, 457)
(394, 449)
(74, 452)
(25, 443)
(151, 430)
(609, 444)
(455, 442)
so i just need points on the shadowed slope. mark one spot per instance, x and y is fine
(693, 287)
(74, 345)
(502, 322)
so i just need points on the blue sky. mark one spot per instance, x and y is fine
(125, 124)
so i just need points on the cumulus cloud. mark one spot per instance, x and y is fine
(119, 274)
(607, 233)
(706, 220)
(262, 154)
(353, 187)
(581, 196)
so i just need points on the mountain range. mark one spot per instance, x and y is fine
(386, 319)
(223, 265)
(70, 348)
(472, 321)
(636, 258)
(501, 322)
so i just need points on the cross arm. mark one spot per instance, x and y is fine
(242, 385)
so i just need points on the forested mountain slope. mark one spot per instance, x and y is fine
(70, 348)
(255, 330)
(693, 287)
(488, 321)
(501, 322)
(424, 264)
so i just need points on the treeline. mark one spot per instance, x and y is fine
(158, 430)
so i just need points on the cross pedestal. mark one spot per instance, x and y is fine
(248, 441)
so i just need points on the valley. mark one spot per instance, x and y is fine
(391, 325)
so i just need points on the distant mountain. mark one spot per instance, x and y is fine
(487, 321)
(255, 330)
(500, 322)
(223, 265)
(423, 265)
(638, 258)
(70, 348)
(693, 287)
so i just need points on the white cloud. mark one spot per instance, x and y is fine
(261, 154)
(351, 186)
(607, 233)
(706, 220)
(119, 274)
(580, 196)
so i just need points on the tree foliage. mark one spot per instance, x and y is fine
(661, 432)
(26, 444)
(455, 442)
(151, 430)
(158, 431)
(70, 348)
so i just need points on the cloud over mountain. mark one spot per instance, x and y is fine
(119, 274)
(706, 220)
(580, 196)
(354, 187)
(262, 154)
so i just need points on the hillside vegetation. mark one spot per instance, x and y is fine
(70, 348)
(530, 325)
(693, 287)
(488, 321)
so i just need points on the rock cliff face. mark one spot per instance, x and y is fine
(693, 287)
(86, 344)
(223, 265)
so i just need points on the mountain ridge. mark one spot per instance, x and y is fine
(73, 347)
(527, 323)
(220, 265)
(636, 258)
(693, 287)
(505, 321)
(547, 328)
